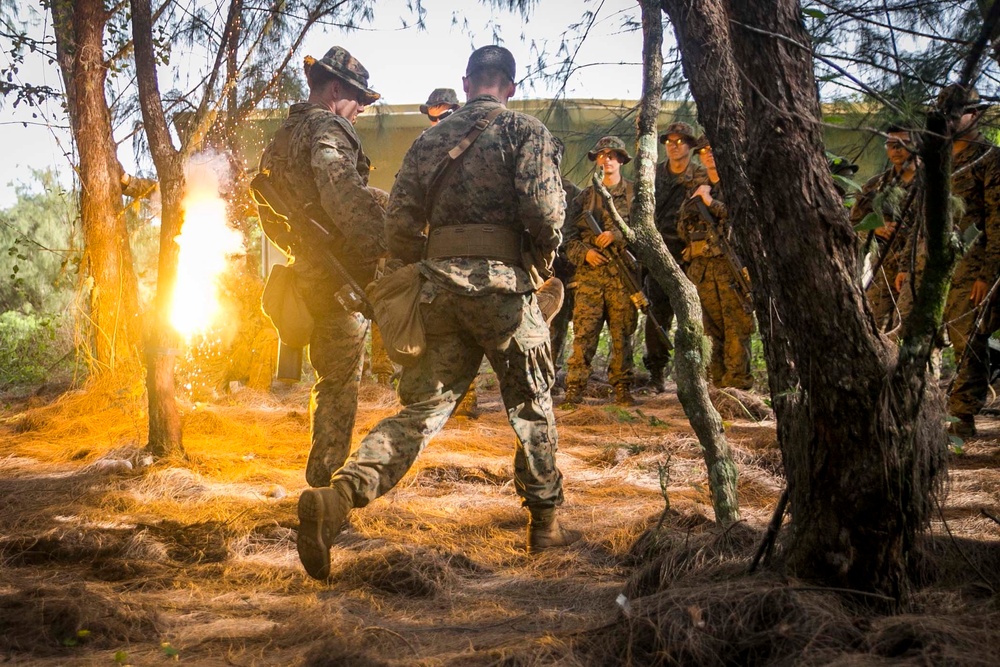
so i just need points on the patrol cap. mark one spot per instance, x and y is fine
(610, 143)
(491, 57)
(340, 63)
(440, 96)
(954, 91)
(679, 128)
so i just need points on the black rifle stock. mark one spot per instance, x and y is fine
(717, 236)
(627, 267)
(311, 239)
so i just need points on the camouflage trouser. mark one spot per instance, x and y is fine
(336, 352)
(510, 331)
(726, 323)
(559, 328)
(380, 361)
(657, 351)
(882, 296)
(601, 297)
(968, 396)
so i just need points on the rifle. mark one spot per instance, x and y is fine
(627, 266)
(733, 261)
(311, 239)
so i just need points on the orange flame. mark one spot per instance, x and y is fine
(206, 242)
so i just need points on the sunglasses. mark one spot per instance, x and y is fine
(444, 114)
(675, 142)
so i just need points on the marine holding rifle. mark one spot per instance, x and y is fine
(725, 312)
(601, 293)
(317, 165)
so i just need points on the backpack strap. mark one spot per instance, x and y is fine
(454, 155)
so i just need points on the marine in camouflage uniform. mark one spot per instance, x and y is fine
(317, 164)
(601, 295)
(976, 179)
(505, 186)
(727, 322)
(564, 269)
(381, 365)
(675, 177)
(889, 191)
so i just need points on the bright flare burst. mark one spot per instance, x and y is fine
(206, 242)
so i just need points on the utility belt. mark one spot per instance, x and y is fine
(485, 241)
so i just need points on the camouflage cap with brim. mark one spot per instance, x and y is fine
(440, 96)
(840, 165)
(681, 129)
(610, 144)
(339, 62)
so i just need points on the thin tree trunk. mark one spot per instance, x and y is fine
(861, 435)
(161, 349)
(114, 326)
(692, 347)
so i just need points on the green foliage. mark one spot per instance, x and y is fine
(31, 347)
(39, 257)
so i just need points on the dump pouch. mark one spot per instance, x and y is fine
(283, 304)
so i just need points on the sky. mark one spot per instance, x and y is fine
(405, 64)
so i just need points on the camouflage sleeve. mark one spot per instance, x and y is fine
(990, 269)
(718, 209)
(344, 195)
(540, 195)
(863, 203)
(683, 221)
(405, 220)
(582, 237)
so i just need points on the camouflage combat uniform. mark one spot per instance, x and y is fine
(473, 306)
(976, 179)
(726, 321)
(601, 296)
(882, 295)
(317, 163)
(565, 270)
(671, 191)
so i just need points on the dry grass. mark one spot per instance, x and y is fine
(102, 553)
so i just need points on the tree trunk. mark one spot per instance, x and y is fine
(114, 325)
(861, 434)
(161, 348)
(691, 347)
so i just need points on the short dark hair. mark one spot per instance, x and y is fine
(490, 58)
(893, 128)
(317, 77)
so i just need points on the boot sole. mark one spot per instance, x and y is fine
(314, 550)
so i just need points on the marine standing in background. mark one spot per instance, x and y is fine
(563, 267)
(316, 162)
(675, 178)
(506, 189)
(976, 180)
(441, 103)
(726, 320)
(601, 294)
(888, 191)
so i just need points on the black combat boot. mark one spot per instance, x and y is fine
(321, 516)
(544, 531)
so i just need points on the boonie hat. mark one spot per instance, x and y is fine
(610, 143)
(683, 129)
(339, 62)
(440, 96)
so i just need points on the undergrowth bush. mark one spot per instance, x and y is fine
(32, 348)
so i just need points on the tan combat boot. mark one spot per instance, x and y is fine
(544, 531)
(623, 396)
(550, 297)
(469, 405)
(574, 394)
(321, 516)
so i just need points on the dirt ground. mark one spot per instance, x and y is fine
(107, 559)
